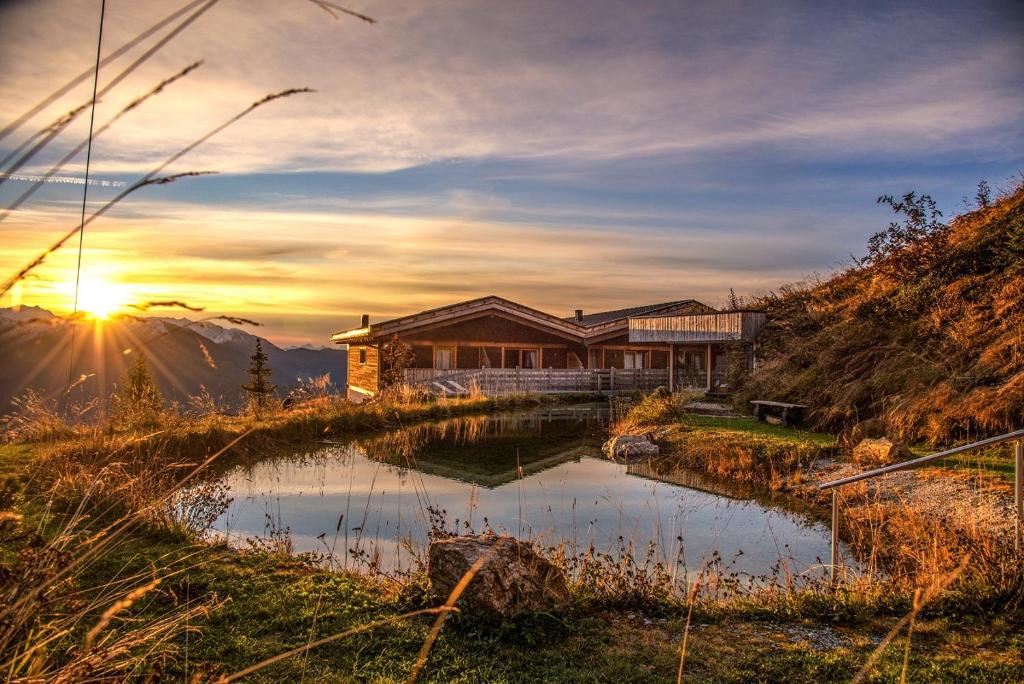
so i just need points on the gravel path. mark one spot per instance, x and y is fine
(962, 499)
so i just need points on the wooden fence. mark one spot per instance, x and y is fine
(496, 381)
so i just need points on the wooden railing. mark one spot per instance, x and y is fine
(1018, 497)
(495, 381)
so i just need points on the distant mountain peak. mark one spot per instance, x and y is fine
(25, 313)
(187, 356)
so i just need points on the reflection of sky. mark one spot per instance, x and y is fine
(578, 503)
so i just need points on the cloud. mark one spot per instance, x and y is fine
(535, 81)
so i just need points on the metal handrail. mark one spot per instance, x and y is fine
(1008, 437)
(1018, 494)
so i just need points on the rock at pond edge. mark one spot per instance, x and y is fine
(630, 446)
(514, 579)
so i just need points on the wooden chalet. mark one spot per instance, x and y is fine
(495, 345)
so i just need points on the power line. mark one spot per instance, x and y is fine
(85, 185)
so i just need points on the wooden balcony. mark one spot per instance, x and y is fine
(697, 328)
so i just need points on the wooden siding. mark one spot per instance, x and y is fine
(365, 376)
(486, 329)
(718, 327)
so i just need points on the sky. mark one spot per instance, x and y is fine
(571, 154)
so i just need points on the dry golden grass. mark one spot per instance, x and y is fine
(933, 353)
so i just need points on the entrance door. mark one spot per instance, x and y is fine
(691, 368)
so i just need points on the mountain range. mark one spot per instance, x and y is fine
(185, 357)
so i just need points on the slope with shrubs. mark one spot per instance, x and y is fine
(923, 340)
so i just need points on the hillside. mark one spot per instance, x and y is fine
(184, 357)
(923, 341)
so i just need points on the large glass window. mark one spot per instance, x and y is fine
(634, 359)
(530, 359)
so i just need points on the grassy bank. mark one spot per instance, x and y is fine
(736, 448)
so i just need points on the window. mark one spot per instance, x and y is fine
(595, 358)
(444, 358)
(522, 358)
(634, 359)
(362, 355)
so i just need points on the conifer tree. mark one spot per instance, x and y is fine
(139, 402)
(259, 389)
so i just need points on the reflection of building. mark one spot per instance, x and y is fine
(505, 346)
(690, 479)
(489, 450)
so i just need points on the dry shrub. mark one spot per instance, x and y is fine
(407, 395)
(315, 389)
(34, 418)
(656, 408)
(909, 549)
(57, 625)
(620, 580)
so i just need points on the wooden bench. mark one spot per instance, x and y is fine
(782, 413)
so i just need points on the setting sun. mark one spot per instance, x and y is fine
(100, 298)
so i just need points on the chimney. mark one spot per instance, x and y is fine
(579, 315)
(365, 322)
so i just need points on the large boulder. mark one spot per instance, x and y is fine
(624, 447)
(880, 451)
(513, 579)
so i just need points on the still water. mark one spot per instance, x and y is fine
(538, 475)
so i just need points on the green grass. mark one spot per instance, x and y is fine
(751, 426)
(277, 603)
(997, 461)
(14, 458)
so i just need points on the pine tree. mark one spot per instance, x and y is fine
(259, 388)
(139, 402)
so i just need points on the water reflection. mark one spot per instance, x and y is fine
(538, 475)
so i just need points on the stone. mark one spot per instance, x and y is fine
(630, 446)
(513, 580)
(880, 451)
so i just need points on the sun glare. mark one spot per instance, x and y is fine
(100, 298)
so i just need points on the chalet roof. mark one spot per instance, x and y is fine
(596, 325)
(618, 314)
(457, 311)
